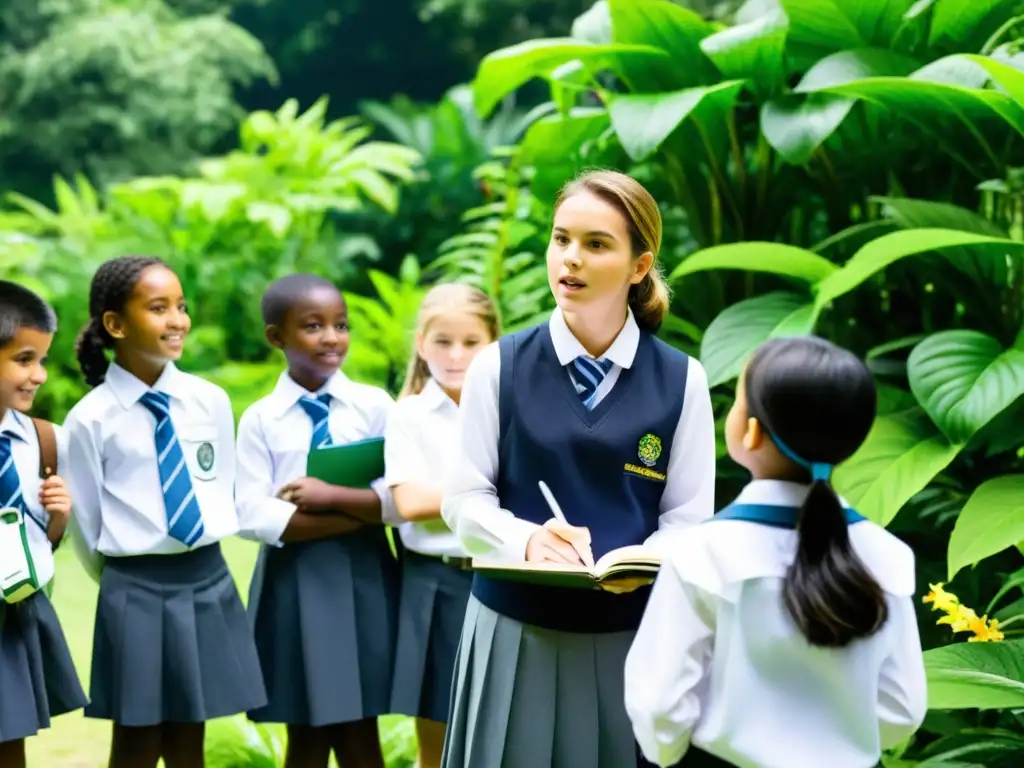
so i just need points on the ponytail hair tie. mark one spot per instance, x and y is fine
(819, 470)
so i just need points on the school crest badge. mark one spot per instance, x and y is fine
(205, 456)
(649, 449)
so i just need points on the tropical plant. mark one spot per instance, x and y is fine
(273, 206)
(804, 156)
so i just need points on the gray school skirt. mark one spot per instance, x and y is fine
(325, 616)
(37, 676)
(171, 642)
(525, 696)
(431, 614)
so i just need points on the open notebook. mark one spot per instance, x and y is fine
(635, 561)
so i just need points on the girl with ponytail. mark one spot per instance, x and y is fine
(783, 632)
(590, 413)
(152, 466)
(455, 322)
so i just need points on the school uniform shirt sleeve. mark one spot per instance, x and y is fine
(689, 496)
(902, 690)
(470, 503)
(384, 406)
(403, 456)
(261, 515)
(668, 659)
(83, 473)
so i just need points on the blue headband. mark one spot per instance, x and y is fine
(819, 469)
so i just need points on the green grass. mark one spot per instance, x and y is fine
(74, 741)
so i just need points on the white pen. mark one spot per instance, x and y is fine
(559, 515)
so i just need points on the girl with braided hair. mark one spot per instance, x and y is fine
(152, 466)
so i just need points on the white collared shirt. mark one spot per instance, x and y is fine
(274, 436)
(418, 448)
(471, 506)
(114, 474)
(718, 662)
(25, 451)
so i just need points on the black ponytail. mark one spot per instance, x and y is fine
(90, 351)
(112, 286)
(817, 402)
(828, 591)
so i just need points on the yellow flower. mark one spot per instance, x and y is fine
(960, 618)
(985, 632)
(941, 599)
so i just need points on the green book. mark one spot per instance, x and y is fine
(631, 562)
(353, 465)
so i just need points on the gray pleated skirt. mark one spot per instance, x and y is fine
(37, 675)
(525, 697)
(172, 643)
(431, 615)
(325, 617)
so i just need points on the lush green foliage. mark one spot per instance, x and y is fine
(849, 173)
(852, 172)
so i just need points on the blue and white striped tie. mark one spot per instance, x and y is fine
(184, 519)
(589, 375)
(10, 482)
(319, 410)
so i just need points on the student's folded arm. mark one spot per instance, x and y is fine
(668, 659)
(470, 506)
(689, 496)
(417, 496)
(902, 690)
(83, 474)
(261, 515)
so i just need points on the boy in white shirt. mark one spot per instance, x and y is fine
(37, 676)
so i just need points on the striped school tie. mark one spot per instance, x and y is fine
(10, 482)
(589, 375)
(318, 409)
(184, 520)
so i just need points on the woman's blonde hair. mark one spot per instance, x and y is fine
(649, 299)
(443, 299)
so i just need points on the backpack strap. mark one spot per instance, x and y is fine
(47, 437)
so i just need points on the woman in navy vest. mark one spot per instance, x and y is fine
(619, 426)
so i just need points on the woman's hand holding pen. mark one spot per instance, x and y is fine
(546, 546)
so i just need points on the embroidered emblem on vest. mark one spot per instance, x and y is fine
(649, 449)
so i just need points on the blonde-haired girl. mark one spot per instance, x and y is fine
(619, 426)
(455, 322)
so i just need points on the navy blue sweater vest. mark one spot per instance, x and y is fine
(606, 467)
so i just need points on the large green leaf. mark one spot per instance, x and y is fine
(643, 121)
(901, 455)
(753, 50)
(976, 675)
(556, 139)
(739, 329)
(777, 258)
(840, 24)
(939, 98)
(1009, 78)
(883, 251)
(964, 379)
(594, 25)
(991, 521)
(963, 22)
(797, 124)
(507, 69)
(675, 30)
(976, 263)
